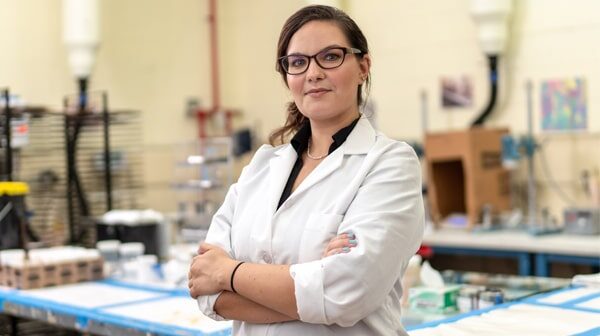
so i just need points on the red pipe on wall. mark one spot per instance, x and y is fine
(204, 114)
(214, 54)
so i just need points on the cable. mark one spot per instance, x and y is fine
(551, 181)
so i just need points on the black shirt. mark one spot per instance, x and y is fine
(300, 143)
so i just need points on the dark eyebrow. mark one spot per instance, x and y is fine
(328, 47)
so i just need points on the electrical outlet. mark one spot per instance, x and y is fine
(192, 104)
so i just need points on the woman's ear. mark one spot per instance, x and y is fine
(365, 66)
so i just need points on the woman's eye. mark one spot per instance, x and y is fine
(331, 57)
(297, 62)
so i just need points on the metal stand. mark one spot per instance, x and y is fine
(11, 207)
(8, 135)
(531, 188)
(107, 155)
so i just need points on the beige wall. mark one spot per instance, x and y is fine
(154, 55)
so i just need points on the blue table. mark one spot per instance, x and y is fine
(111, 307)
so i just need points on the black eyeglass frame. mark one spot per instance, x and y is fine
(346, 51)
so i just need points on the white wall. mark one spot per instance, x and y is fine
(154, 55)
(31, 60)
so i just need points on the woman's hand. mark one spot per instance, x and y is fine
(210, 271)
(340, 244)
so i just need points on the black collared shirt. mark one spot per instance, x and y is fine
(300, 143)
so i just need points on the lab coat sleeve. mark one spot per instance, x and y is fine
(219, 233)
(387, 217)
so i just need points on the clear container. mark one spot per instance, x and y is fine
(468, 299)
(129, 253)
(109, 250)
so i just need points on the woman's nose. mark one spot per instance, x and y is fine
(314, 72)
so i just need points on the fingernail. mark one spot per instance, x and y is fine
(351, 235)
(352, 242)
(345, 249)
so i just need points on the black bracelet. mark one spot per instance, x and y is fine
(232, 274)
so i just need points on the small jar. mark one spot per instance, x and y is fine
(109, 250)
(490, 297)
(467, 299)
(129, 253)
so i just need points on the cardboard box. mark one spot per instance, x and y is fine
(36, 275)
(31, 276)
(465, 173)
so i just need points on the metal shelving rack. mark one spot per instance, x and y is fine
(203, 173)
(103, 159)
(16, 228)
(68, 144)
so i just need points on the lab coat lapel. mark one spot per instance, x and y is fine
(280, 168)
(359, 141)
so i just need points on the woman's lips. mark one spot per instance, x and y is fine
(316, 93)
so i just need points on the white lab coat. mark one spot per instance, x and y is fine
(371, 186)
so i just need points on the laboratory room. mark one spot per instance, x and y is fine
(265, 167)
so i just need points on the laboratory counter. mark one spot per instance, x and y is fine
(525, 248)
(110, 307)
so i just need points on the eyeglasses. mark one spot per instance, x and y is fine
(328, 58)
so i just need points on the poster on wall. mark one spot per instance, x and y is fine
(564, 105)
(456, 92)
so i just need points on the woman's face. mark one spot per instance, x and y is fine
(326, 94)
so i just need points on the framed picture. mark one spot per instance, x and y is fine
(564, 105)
(456, 92)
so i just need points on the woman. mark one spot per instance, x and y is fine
(315, 235)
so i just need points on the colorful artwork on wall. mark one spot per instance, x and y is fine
(564, 105)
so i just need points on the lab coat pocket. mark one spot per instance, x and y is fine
(319, 230)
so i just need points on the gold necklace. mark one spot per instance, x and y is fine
(313, 157)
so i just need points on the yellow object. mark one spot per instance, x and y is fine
(14, 188)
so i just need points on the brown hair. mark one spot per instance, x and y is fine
(349, 28)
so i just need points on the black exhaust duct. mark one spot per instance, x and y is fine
(493, 65)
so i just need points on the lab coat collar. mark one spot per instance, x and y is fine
(284, 149)
(359, 141)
